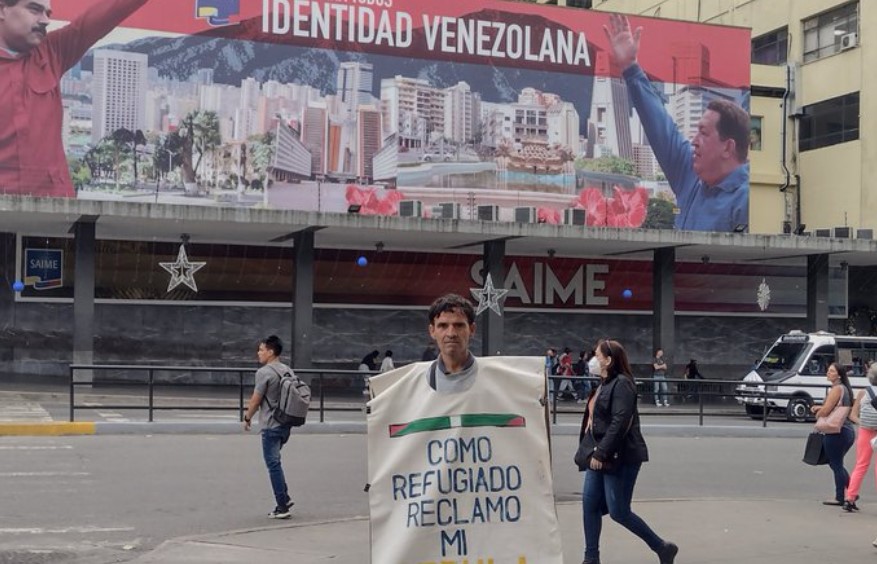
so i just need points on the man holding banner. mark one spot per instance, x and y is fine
(459, 464)
(32, 62)
(710, 173)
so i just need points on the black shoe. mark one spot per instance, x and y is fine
(850, 506)
(668, 553)
(832, 502)
(279, 513)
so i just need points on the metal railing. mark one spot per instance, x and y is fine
(245, 378)
(703, 391)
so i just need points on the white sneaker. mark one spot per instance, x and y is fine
(666, 404)
(657, 405)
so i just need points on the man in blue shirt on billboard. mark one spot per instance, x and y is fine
(710, 173)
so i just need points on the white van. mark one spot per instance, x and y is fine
(802, 358)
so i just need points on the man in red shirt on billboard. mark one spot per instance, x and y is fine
(32, 62)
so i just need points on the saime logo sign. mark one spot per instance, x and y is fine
(44, 268)
(586, 286)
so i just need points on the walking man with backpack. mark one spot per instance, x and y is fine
(265, 399)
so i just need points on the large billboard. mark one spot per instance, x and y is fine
(472, 109)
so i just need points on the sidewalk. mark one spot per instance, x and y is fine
(711, 531)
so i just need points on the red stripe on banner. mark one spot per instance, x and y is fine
(709, 54)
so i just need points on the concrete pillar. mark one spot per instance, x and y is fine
(817, 293)
(492, 325)
(303, 300)
(663, 303)
(83, 298)
(7, 301)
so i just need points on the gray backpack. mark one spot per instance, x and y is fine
(295, 399)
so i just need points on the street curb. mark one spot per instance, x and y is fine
(226, 427)
(46, 429)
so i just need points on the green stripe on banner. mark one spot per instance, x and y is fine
(492, 420)
(450, 422)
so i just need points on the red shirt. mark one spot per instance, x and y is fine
(32, 159)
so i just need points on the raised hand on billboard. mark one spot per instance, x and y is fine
(624, 43)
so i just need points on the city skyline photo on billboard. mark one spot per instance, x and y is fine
(491, 110)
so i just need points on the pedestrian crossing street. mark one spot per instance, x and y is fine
(18, 409)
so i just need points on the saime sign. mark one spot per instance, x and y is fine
(586, 285)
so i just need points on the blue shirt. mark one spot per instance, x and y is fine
(701, 207)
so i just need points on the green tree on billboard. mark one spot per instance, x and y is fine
(261, 149)
(609, 163)
(200, 135)
(659, 214)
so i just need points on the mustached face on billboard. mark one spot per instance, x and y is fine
(217, 12)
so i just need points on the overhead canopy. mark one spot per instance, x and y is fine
(138, 221)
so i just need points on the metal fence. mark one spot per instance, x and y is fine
(245, 379)
(706, 394)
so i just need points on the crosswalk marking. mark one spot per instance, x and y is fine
(41, 474)
(63, 530)
(25, 447)
(15, 408)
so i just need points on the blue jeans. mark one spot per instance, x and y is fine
(660, 385)
(836, 447)
(272, 441)
(612, 493)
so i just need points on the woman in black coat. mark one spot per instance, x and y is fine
(611, 452)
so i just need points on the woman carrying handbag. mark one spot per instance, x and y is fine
(832, 419)
(611, 452)
(864, 414)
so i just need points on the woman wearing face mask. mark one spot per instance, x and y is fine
(611, 452)
(836, 444)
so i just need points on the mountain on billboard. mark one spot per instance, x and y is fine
(234, 59)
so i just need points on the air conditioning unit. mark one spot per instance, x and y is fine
(488, 213)
(867, 234)
(849, 41)
(411, 208)
(525, 215)
(447, 210)
(575, 216)
(841, 232)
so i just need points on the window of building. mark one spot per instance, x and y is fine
(829, 123)
(824, 34)
(755, 133)
(771, 48)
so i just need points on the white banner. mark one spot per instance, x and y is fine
(462, 477)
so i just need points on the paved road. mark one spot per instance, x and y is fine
(102, 499)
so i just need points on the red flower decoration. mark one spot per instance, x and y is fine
(626, 208)
(374, 201)
(548, 215)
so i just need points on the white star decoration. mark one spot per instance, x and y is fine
(182, 271)
(763, 295)
(488, 297)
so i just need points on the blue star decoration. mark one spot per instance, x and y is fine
(182, 271)
(488, 297)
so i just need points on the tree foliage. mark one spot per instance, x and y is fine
(659, 214)
(611, 164)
